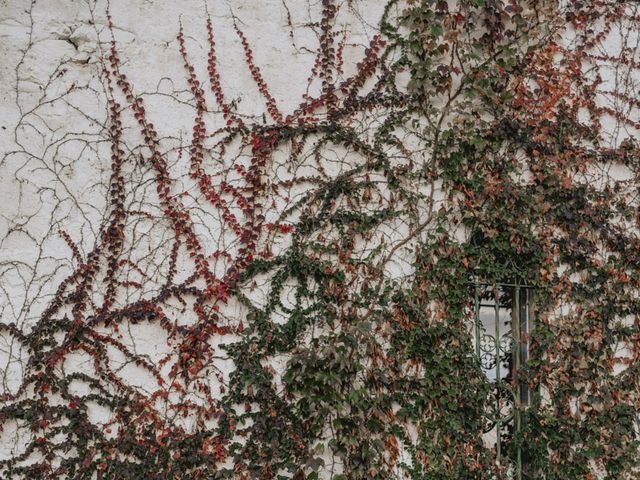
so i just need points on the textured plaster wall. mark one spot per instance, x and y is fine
(54, 166)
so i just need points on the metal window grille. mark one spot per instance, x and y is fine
(503, 322)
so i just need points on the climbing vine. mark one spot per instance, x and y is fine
(310, 276)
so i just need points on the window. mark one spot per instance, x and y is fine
(503, 322)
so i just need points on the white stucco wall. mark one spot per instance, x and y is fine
(54, 166)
